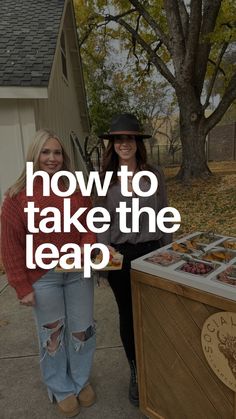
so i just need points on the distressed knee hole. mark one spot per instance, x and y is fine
(80, 339)
(52, 325)
(79, 335)
(53, 341)
(85, 335)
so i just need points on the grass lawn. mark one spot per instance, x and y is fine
(206, 205)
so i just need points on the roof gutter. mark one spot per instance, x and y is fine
(21, 92)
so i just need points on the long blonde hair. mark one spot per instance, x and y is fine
(33, 154)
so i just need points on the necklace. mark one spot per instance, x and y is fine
(130, 180)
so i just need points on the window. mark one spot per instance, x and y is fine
(63, 56)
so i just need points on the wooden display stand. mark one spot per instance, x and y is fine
(175, 380)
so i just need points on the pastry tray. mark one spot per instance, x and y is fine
(173, 271)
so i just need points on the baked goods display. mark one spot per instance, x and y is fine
(187, 259)
(163, 258)
(219, 255)
(230, 244)
(197, 268)
(206, 238)
(228, 276)
(189, 246)
(199, 255)
(115, 260)
(181, 247)
(201, 260)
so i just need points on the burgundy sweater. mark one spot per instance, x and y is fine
(14, 230)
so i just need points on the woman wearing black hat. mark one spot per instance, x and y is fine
(126, 147)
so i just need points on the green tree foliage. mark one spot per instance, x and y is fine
(186, 42)
(114, 87)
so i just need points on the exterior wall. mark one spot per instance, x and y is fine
(63, 110)
(17, 128)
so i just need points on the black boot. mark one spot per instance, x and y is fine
(133, 385)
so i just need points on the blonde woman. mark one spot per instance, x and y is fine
(62, 302)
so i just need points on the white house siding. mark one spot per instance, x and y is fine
(61, 112)
(17, 128)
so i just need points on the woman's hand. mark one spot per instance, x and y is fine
(28, 300)
(111, 249)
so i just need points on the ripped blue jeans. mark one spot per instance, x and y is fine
(67, 339)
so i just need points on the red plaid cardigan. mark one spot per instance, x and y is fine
(14, 230)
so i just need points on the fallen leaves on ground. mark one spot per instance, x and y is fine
(3, 323)
(205, 205)
(223, 167)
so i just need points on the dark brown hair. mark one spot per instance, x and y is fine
(111, 159)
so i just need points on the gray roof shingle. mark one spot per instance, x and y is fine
(28, 36)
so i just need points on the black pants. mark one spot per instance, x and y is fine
(121, 286)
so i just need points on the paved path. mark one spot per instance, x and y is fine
(22, 394)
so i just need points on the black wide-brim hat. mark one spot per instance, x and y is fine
(124, 124)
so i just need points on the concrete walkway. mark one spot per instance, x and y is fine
(22, 394)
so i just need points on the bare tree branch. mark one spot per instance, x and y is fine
(214, 75)
(128, 12)
(192, 41)
(87, 33)
(133, 39)
(162, 133)
(177, 41)
(94, 25)
(210, 12)
(184, 18)
(153, 24)
(220, 68)
(154, 58)
(227, 99)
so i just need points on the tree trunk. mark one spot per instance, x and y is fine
(193, 139)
